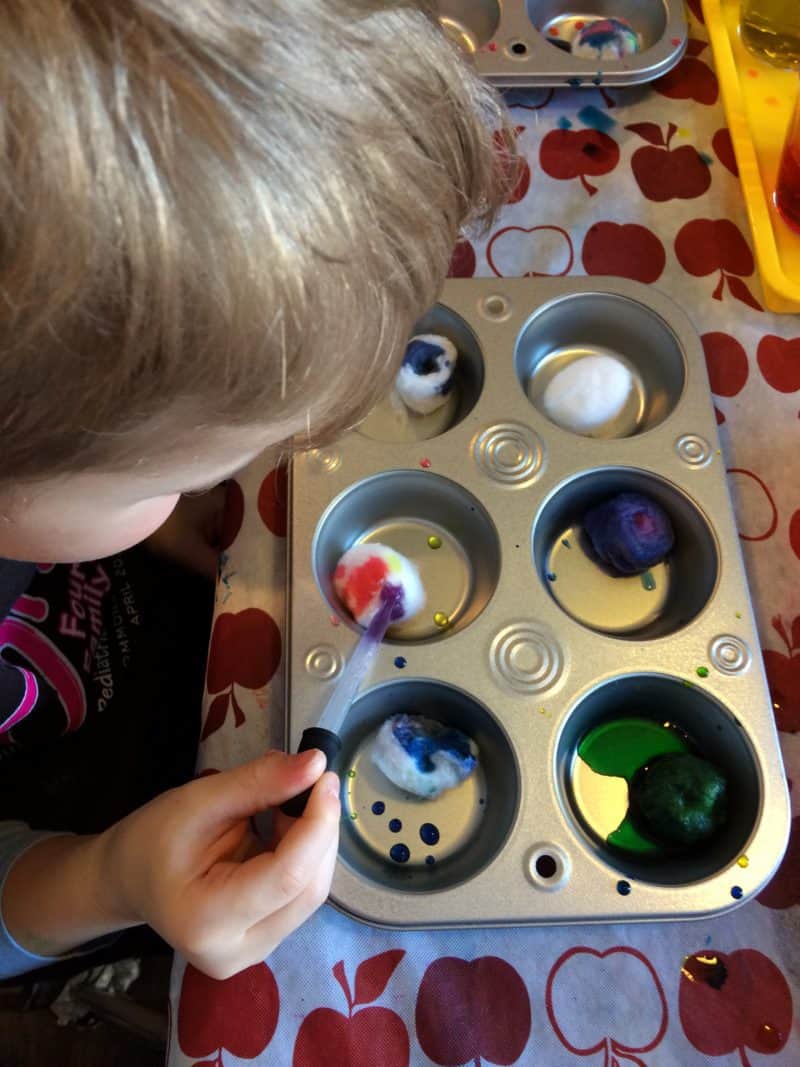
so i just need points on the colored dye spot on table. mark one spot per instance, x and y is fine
(702, 672)
(400, 853)
(395, 826)
(623, 888)
(378, 808)
(400, 662)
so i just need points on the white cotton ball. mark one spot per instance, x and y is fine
(587, 394)
(425, 380)
(364, 570)
(423, 756)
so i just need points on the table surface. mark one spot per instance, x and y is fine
(341, 994)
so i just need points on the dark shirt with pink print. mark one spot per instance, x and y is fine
(101, 678)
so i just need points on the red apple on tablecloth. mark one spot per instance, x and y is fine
(239, 1015)
(783, 891)
(621, 1023)
(726, 363)
(627, 251)
(470, 1010)
(691, 79)
(704, 246)
(666, 173)
(783, 675)
(524, 171)
(723, 146)
(372, 1037)
(779, 361)
(463, 261)
(273, 500)
(245, 650)
(734, 1002)
(232, 516)
(794, 533)
(567, 154)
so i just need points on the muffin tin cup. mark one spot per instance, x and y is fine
(440, 843)
(594, 804)
(537, 668)
(510, 46)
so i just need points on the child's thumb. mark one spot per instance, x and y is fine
(262, 783)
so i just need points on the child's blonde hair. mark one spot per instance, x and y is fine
(220, 213)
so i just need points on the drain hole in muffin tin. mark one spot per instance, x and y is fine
(660, 601)
(410, 511)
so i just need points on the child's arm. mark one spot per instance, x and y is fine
(188, 865)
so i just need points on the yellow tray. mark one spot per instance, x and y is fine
(758, 102)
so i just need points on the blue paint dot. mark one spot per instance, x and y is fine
(399, 853)
(430, 860)
(623, 887)
(378, 808)
(400, 662)
(550, 576)
(737, 892)
(564, 123)
(596, 119)
(705, 158)
(395, 826)
(574, 82)
(429, 833)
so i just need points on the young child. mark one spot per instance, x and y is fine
(219, 220)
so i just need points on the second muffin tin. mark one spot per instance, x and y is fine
(512, 41)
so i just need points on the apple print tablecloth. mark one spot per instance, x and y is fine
(639, 184)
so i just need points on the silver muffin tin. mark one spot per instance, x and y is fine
(540, 644)
(508, 39)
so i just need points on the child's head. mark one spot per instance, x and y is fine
(219, 220)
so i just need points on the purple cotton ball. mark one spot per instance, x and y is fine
(630, 532)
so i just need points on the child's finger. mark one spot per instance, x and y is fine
(252, 787)
(268, 882)
(264, 936)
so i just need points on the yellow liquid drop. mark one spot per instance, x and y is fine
(434, 541)
(441, 620)
(743, 861)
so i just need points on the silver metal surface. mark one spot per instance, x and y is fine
(514, 43)
(527, 664)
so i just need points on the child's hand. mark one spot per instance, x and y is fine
(188, 865)
(191, 534)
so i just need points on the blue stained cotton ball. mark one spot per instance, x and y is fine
(423, 756)
(630, 532)
(425, 379)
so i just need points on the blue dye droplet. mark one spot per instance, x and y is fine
(648, 581)
(400, 662)
(564, 123)
(399, 853)
(430, 860)
(706, 158)
(574, 82)
(623, 888)
(482, 800)
(550, 576)
(737, 892)
(429, 833)
(596, 119)
(378, 808)
(395, 826)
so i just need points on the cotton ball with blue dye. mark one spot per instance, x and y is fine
(425, 380)
(586, 395)
(630, 532)
(360, 577)
(423, 756)
(611, 38)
